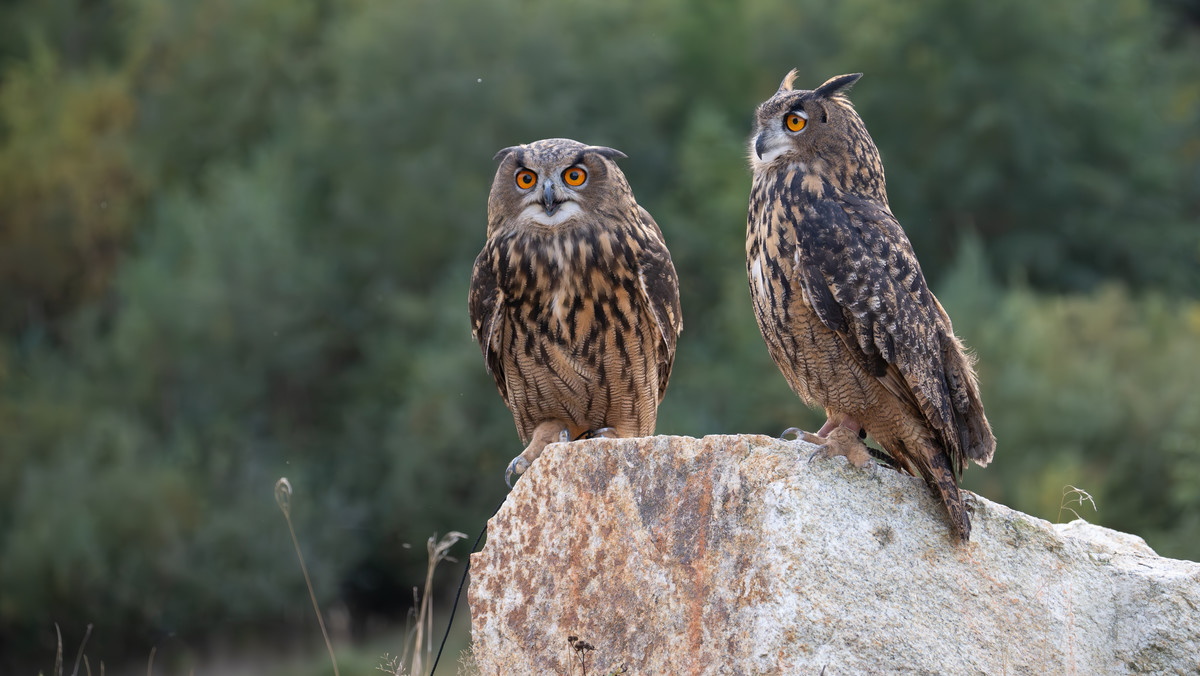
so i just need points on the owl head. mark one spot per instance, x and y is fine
(819, 131)
(550, 184)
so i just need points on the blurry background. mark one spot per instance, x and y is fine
(236, 237)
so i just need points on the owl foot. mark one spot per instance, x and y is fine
(606, 432)
(550, 432)
(835, 421)
(846, 442)
(969, 500)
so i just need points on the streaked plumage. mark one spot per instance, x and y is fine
(574, 300)
(841, 301)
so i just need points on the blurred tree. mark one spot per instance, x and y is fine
(144, 470)
(68, 187)
(1189, 10)
(1053, 131)
(1092, 391)
(216, 79)
(83, 33)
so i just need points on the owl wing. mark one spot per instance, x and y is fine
(486, 302)
(659, 290)
(859, 272)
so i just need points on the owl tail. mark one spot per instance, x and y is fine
(976, 441)
(941, 480)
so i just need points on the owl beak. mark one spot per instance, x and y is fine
(760, 145)
(548, 200)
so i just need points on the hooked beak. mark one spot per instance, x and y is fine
(759, 145)
(548, 201)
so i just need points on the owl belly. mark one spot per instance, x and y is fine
(814, 361)
(587, 372)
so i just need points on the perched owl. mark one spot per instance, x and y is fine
(574, 299)
(841, 301)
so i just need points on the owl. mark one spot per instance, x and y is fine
(574, 300)
(841, 301)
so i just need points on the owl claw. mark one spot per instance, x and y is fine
(549, 432)
(969, 500)
(845, 442)
(798, 434)
(517, 466)
(606, 432)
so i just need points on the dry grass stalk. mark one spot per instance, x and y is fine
(283, 497)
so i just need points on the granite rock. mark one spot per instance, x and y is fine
(735, 555)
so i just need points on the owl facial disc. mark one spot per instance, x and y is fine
(538, 213)
(554, 206)
(768, 147)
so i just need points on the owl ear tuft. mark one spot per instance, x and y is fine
(610, 153)
(786, 85)
(839, 84)
(499, 157)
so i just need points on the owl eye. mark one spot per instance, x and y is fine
(526, 179)
(575, 176)
(795, 121)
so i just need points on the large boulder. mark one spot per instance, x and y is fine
(735, 555)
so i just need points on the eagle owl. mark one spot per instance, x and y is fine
(841, 301)
(574, 299)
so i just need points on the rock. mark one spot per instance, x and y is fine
(734, 555)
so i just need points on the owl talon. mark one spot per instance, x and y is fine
(606, 432)
(800, 435)
(549, 432)
(517, 466)
(845, 442)
(969, 500)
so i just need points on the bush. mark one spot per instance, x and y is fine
(1088, 390)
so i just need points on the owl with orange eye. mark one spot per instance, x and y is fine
(842, 303)
(574, 300)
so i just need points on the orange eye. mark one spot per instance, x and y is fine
(575, 176)
(526, 179)
(795, 121)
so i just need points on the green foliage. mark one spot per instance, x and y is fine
(1043, 128)
(148, 497)
(215, 80)
(81, 32)
(68, 187)
(1095, 391)
(291, 195)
